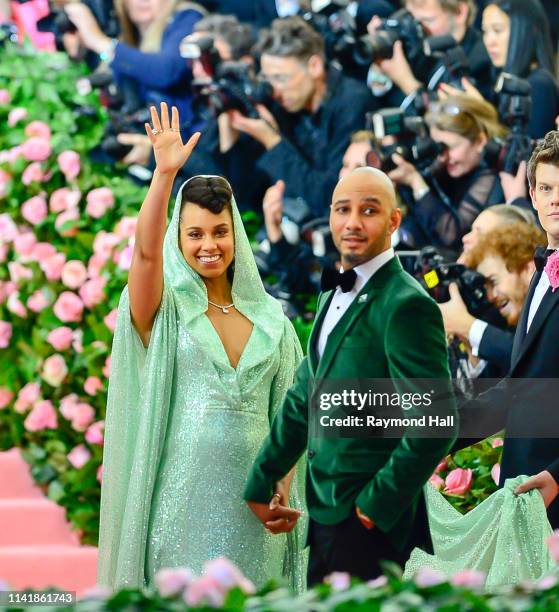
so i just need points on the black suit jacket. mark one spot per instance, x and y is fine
(526, 402)
(496, 347)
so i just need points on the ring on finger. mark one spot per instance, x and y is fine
(155, 132)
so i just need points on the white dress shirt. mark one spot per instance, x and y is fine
(341, 301)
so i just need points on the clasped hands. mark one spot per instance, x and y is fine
(277, 516)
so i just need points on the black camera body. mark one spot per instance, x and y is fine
(454, 62)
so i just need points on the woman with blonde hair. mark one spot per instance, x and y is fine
(448, 199)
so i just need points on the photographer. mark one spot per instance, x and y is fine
(504, 256)
(306, 131)
(438, 18)
(446, 203)
(147, 55)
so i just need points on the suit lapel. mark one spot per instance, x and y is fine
(549, 301)
(315, 331)
(368, 293)
(520, 334)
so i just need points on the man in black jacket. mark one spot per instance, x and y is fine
(525, 402)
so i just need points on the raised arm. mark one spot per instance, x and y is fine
(145, 278)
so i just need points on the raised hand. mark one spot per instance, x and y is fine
(170, 153)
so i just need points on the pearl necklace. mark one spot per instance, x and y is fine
(224, 309)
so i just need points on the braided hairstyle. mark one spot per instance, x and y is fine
(210, 192)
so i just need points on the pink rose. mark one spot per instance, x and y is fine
(5, 334)
(553, 545)
(43, 416)
(77, 342)
(458, 481)
(60, 338)
(36, 149)
(55, 370)
(68, 307)
(377, 583)
(14, 153)
(35, 210)
(79, 456)
(67, 218)
(547, 582)
(6, 396)
(69, 162)
(126, 227)
(100, 473)
(5, 97)
(33, 174)
(496, 473)
(204, 590)
(38, 301)
(497, 442)
(39, 129)
(94, 433)
(104, 244)
(74, 274)
(110, 319)
(18, 272)
(43, 250)
(30, 393)
(124, 258)
(95, 266)
(8, 229)
(92, 292)
(552, 270)
(339, 581)
(443, 465)
(107, 368)
(98, 201)
(16, 115)
(68, 406)
(83, 416)
(171, 581)
(227, 574)
(24, 244)
(436, 481)
(62, 199)
(471, 579)
(428, 577)
(52, 266)
(14, 305)
(92, 385)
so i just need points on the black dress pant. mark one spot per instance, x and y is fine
(348, 547)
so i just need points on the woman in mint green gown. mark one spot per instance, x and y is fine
(189, 405)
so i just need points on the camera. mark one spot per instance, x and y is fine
(435, 272)
(410, 139)
(58, 23)
(454, 62)
(231, 84)
(515, 108)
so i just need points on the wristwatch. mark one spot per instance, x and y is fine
(109, 52)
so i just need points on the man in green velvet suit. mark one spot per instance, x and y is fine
(364, 494)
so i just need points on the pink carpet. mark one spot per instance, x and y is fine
(37, 546)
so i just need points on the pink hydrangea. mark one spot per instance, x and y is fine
(69, 162)
(68, 307)
(74, 274)
(64, 218)
(62, 199)
(428, 577)
(227, 574)
(54, 370)
(16, 115)
(92, 292)
(60, 338)
(204, 590)
(43, 416)
(6, 396)
(33, 174)
(94, 433)
(79, 456)
(38, 300)
(36, 149)
(38, 129)
(458, 481)
(104, 244)
(5, 334)
(43, 250)
(52, 266)
(99, 201)
(110, 319)
(68, 405)
(35, 210)
(92, 385)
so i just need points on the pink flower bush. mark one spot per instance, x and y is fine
(60, 338)
(552, 270)
(5, 334)
(428, 577)
(82, 416)
(68, 307)
(92, 385)
(107, 368)
(110, 319)
(38, 129)
(16, 115)
(15, 306)
(553, 545)
(35, 210)
(496, 442)
(94, 433)
(126, 227)
(19, 272)
(42, 251)
(4, 180)
(30, 393)
(6, 396)
(104, 244)
(63, 225)
(99, 201)
(204, 590)
(24, 244)
(8, 229)
(33, 174)
(339, 581)
(471, 579)
(69, 162)
(38, 301)
(62, 199)
(53, 265)
(79, 456)
(496, 473)
(92, 292)
(5, 97)
(74, 274)
(54, 370)
(458, 482)
(36, 149)
(43, 416)
(227, 575)
(172, 581)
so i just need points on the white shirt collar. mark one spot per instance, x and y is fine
(366, 270)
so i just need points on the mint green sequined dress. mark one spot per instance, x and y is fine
(183, 428)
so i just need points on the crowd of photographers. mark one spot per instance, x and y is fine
(447, 96)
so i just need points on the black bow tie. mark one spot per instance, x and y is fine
(332, 278)
(540, 257)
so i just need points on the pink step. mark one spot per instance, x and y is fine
(65, 567)
(34, 522)
(15, 477)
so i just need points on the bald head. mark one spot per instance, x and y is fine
(369, 180)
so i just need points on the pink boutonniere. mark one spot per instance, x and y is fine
(552, 270)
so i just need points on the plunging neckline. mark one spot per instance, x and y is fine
(222, 346)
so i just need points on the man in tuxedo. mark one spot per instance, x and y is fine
(525, 402)
(374, 321)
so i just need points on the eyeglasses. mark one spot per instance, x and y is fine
(447, 108)
(280, 80)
